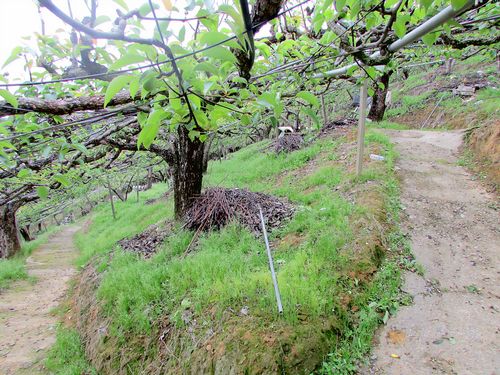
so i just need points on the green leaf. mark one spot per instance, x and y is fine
(46, 151)
(23, 173)
(11, 99)
(309, 112)
(308, 97)
(42, 191)
(115, 86)
(228, 9)
(206, 86)
(267, 99)
(134, 86)
(212, 37)
(15, 54)
(245, 120)
(127, 59)
(399, 28)
(121, 3)
(207, 67)
(101, 19)
(430, 38)
(150, 130)
(371, 71)
(458, 4)
(340, 4)
(182, 34)
(80, 147)
(426, 3)
(220, 53)
(63, 180)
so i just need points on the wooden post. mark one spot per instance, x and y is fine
(361, 127)
(323, 108)
(137, 189)
(111, 199)
(150, 178)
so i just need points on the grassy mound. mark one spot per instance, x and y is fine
(214, 311)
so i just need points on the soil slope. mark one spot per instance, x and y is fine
(27, 327)
(453, 326)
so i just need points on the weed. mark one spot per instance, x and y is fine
(67, 356)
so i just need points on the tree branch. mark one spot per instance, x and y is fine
(62, 106)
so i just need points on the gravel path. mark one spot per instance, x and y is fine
(453, 326)
(27, 324)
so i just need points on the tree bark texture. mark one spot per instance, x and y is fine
(377, 109)
(25, 233)
(9, 239)
(62, 106)
(188, 171)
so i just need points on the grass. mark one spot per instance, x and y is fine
(386, 125)
(406, 101)
(314, 256)
(132, 218)
(67, 356)
(14, 268)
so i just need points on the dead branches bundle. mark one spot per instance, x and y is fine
(288, 142)
(147, 242)
(336, 125)
(216, 207)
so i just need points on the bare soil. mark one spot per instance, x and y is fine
(27, 321)
(453, 325)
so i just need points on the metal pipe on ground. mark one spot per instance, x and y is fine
(271, 265)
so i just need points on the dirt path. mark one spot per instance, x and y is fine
(453, 326)
(27, 326)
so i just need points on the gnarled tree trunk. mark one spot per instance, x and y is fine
(9, 239)
(377, 109)
(25, 232)
(188, 171)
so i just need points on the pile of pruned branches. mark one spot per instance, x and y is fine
(147, 242)
(216, 207)
(337, 124)
(288, 142)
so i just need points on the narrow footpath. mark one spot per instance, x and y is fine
(453, 325)
(27, 320)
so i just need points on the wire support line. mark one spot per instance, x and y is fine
(151, 65)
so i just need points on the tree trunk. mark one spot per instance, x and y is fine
(25, 233)
(377, 109)
(9, 240)
(206, 152)
(188, 171)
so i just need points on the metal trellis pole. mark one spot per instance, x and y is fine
(361, 126)
(271, 265)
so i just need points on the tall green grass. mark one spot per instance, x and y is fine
(228, 269)
(132, 217)
(67, 356)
